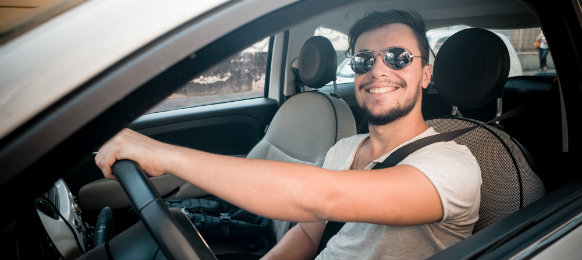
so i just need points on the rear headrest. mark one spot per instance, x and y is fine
(471, 68)
(317, 62)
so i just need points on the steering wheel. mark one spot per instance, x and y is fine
(176, 235)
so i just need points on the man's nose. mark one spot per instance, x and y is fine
(380, 68)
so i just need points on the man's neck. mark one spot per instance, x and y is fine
(384, 138)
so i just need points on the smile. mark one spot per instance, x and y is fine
(381, 90)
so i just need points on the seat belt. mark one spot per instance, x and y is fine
(333, 227)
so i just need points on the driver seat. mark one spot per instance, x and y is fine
(304, 128)
(508, 181)
(308, 124)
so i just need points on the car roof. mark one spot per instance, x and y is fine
(494, 14)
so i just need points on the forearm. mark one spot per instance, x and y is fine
(281, 190)
(260, 186)
(255, 185)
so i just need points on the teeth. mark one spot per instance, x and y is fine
(380, 90)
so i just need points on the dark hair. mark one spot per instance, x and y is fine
(378, 19)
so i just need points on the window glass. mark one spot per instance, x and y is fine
(239, 77)
(524, 57)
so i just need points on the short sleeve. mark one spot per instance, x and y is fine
(456, 175)
(329, 157)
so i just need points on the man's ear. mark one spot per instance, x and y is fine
(426, 75)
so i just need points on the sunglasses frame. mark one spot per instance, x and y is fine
(359, 70)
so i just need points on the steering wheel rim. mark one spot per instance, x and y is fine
(176, 241)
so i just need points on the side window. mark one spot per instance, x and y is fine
(239, 77)
(525, 59)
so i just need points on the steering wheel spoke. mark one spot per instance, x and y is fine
(177, 238)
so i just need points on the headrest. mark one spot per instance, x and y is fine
(471, 68)
(317, 62)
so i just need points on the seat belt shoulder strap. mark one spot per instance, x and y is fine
(397, 156)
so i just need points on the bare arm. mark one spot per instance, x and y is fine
(308, 193)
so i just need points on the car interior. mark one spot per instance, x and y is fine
(302, 112)
(325, 115)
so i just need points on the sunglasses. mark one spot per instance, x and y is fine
(396, 58)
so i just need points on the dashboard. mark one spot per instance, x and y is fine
(60, 215)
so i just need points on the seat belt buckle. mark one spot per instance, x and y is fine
(225, 223)
(224, 217)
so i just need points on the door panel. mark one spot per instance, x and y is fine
(231, 128)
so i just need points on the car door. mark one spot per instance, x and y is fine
(224, 110)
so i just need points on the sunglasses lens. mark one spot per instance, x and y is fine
(362, 63)
(397, 58)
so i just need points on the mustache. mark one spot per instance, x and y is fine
(400, 83)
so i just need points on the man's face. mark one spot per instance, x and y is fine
(384, 94)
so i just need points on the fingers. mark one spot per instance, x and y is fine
(134, 146)
(109, 153)
(103, 160)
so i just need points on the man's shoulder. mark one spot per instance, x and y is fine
(456, 175)
(447, 149)
(351, 141)
(451, 146)
(444, 154)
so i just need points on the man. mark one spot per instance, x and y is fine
(543, 50)
(424, 204)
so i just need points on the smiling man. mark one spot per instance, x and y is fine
(426, 203)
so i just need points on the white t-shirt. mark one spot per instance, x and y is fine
(454, 172)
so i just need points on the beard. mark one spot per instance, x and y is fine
(392, 115)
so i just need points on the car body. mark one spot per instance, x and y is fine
(71, 82)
